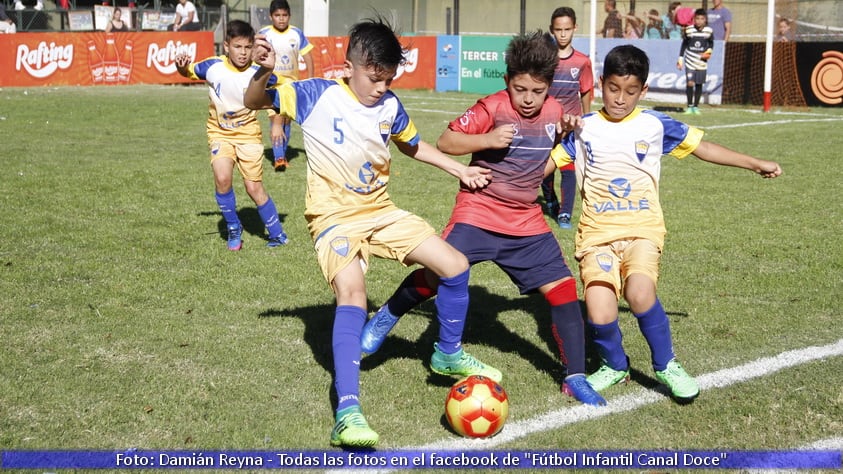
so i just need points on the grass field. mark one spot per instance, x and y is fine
(127, 323)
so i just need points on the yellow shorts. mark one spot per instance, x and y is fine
(390, 235)
(247, 156)
(612, 263)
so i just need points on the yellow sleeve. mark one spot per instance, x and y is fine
(560, 156)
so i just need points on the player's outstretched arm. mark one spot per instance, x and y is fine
(720, 155)
(474, 177)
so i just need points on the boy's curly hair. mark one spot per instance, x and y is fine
(533, 54)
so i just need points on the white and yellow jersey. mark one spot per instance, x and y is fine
(618, 165)
(347, 146)
(228, 117)
(288, 46)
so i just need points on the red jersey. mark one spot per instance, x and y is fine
(508, 205)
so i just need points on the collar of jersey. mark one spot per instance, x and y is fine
(635, 112)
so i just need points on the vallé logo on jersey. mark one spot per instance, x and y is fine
(45, 59)
(164, 58)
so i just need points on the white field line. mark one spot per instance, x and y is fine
(639, 398)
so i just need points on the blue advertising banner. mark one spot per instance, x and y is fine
(488, 460)
(447, 63)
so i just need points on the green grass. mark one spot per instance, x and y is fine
(127, 323)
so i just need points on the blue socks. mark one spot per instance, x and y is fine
(348, 324)
(451, 310)
(655, 327)
(228, 207)
(609, 342)
(280, 151)
(269, 215)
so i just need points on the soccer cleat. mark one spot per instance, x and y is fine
(352, 430)
(606, 376)
(578, 387)
(564, 221)
(281, 164)
(278, 241)
(234, 237)
(681, 384)
(461, 364)
(376, 329)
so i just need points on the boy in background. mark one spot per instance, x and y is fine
(234, 133)
(697, 45)
(510, 133)
(621, 231)
(289, 43)
(572, 86)
(347, 124)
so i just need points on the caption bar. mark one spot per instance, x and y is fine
(137, 459)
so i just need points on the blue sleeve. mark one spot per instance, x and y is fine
(200, 69)
(307, 94)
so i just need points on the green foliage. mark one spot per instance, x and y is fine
(127, 323)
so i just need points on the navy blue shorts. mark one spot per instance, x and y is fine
(530, 262)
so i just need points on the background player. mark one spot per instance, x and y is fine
(347, 124)
(621, 231)
(289, 43)
(234, 133)
(572, 86)
(697, 45)
(511, 133)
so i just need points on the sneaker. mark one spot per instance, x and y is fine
(234, 234)
(352, 430)
(695, 110)
(689, 110)
(281, 164)
(681, 384)
(578, 387)
(564, 221)
(462, 364)
(376, 329)
(278, 241)
(606, 376)
(19, 5)
(39, 6)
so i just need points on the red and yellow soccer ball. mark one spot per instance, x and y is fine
(476, 407)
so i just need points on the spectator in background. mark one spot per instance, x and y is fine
(634, 27)
(116, 23)
(655, 26)
(720, 21)
(613, 25)
(6, 23)
(785, 33)
(187, 18)
(39, 5)
(671, 29)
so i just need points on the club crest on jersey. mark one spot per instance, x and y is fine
(340, 246)
(575, 72)
(604, 261)
(550, 129)
(384, 130)
(641, 149)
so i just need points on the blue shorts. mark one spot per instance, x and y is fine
(530, 262)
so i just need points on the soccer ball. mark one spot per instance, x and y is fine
(476, 407)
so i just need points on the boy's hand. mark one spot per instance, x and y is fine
(276, 131)
(706, 55)
(500, 137)
(569, 122)
(182, 60)
(476, 177)
(769, 169)
(262, 52)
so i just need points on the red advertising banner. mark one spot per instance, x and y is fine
(98, 58)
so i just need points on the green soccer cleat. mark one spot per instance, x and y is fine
(681, 384)
(606, 376)
(462, 364)
(352, 430)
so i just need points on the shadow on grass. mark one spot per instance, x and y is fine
(249, 219)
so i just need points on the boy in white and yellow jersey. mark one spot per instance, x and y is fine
(347, 125)
(234, 133)
(617, 152)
